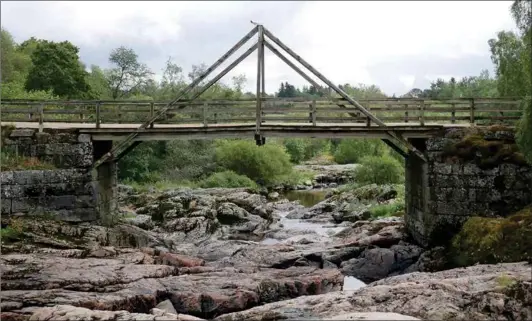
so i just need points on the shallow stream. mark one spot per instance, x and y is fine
(309, 198)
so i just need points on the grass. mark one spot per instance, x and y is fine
(387, 210)
(11, 162)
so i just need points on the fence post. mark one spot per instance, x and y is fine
(406, 113)
(453, 113)
(422, 113)
(472, 114)
(41, 118)
(98, 114)
(204, 114)
(313, 112)
(152, 113)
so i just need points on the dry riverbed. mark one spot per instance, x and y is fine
(228, 254)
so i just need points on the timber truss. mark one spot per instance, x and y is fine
(394, 140)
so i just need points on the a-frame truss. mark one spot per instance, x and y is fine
(125, 145)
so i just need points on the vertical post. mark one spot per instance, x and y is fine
(98, 104)
(472, 115)
(152, 113)
(119, 114)
(313, 112)
(260, 54)
(204, 114)
(41, 117)
(406, 113)
(422, 113)
(81, 111)
(453, 113)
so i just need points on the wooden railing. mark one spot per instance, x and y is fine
(417, 112)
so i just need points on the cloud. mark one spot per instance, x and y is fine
(395, 45)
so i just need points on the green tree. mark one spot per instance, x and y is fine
(56, 67)
(99, 87)
(128, 75)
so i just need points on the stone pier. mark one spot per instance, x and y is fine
(469, 173)
(69, 191)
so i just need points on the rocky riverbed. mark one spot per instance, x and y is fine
(229, 254)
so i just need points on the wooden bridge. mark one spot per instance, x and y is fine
(130, 122)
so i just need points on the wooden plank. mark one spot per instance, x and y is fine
(258, 112)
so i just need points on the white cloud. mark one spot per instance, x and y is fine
(343, 39)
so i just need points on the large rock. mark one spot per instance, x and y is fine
(130, 280)
(68, 312)
(482, 292)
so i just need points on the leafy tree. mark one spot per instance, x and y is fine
(56, 67)
(128, 75)
(99, 87)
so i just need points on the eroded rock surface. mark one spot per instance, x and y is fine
(483, 292)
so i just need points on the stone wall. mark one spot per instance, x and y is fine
(65, 194)
(70, 192)
(467, 174)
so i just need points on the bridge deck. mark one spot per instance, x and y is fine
(192, 131)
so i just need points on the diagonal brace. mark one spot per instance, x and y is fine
(341, 92)
(126, 141)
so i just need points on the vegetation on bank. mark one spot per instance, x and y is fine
(487, 240)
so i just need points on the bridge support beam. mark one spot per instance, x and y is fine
(105, 181)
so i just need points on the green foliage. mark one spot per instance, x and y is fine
(12, 162)
(379, 170)
(128, 75)
(524, 132)
(387, 210)
(301, 149)
(353, 150)
(493, 240)
(16, 90)
(227, 179)
(56, 67)
(263, 164)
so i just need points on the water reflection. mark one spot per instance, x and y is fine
(306, 198)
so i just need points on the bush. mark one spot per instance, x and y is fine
(494, 240)
(301, 149)
(263, 164)
(351, 151)
(387, 210)
(379, 170)
(227, 179)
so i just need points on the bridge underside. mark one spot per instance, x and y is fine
(240, 131)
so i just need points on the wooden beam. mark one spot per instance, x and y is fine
(128, 139)
(341, 92)
(260, 53)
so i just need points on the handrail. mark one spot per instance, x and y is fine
(204, 112)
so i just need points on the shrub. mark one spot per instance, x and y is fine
(353, 150)
(263, 164)
(493, 240)
(227, 179)
(379, 170)
(296, 147)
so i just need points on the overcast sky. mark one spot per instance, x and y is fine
(394, 45)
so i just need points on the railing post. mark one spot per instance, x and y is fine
(406, 113)
(422, 113)
(152, 113)
(81, 112)
(41, 118)
(313, 112)
(98, 104)
(205, 115)
(472, 114)
(119, 114)
(453, 113)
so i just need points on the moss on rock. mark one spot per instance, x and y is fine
(494, 240)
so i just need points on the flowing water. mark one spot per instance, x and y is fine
(309, 198)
